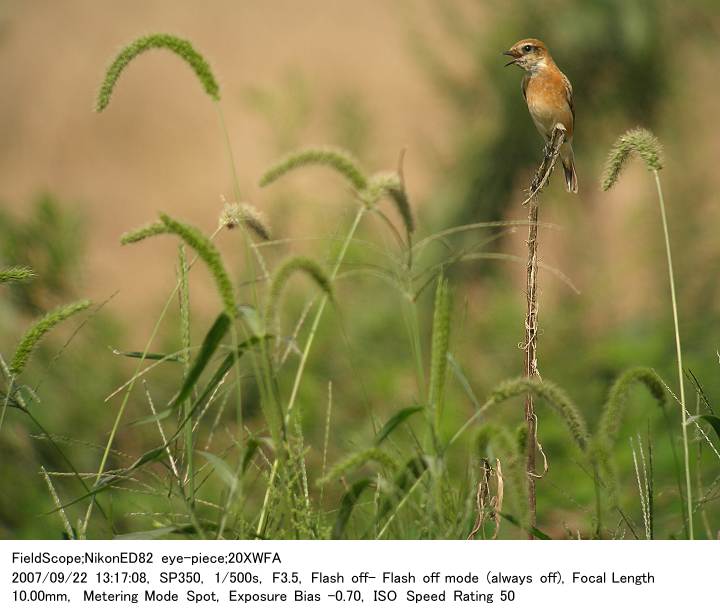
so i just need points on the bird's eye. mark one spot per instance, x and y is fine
(527, 48)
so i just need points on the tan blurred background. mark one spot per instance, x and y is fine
(373, 77)
(158, 146)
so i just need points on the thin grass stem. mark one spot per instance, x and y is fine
(678, 349)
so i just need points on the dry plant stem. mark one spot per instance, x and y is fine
(686, 452)
(541, 178)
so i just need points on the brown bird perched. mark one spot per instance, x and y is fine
(549, 98)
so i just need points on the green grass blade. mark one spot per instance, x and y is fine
(535, 532)
(222, 469)
(395, 421)
(152, 418)
(209, 345)
(251, 447)
(105, 483)
(714, 422)
(155, 533)
(347, 505)
(151, 356)
(218, 376)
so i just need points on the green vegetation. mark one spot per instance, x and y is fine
(348, 401)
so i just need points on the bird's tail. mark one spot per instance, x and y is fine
(568, 162)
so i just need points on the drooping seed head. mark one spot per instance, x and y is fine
(637, 141)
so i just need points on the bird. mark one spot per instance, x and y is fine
(549, 97)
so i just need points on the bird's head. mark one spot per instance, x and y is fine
(529, 54)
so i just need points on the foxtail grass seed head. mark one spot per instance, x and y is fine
(149, 230)
(612, 416)
(207, 251)
(508, 389)
(178, 46)
(335, 158)
(281, 276)
(374, 454)
(234, 214)
(637, 141)
(16, 273)
(496, 440)
(483, 438)
(41, 327)
(617, 402)
(554, 396)
(439, 350)
(202, 245)
(389, 184)
(521, 435)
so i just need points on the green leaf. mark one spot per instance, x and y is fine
(223, 470)
(347, 505)
(251, 448)
(105, 483)
(216, 379)
(252, 319)
(147, 457)
(535, 532)
(151, 356)
(210, 344)
(713, 420)
(396, 420)
(152, 418)
(158, 533)
(155, 533)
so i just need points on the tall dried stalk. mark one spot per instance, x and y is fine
(542, 176)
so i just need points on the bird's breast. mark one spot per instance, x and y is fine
(548, 104)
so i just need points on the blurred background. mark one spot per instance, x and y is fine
(373, 77)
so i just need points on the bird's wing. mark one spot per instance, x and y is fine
(524, 85)
(569, 94)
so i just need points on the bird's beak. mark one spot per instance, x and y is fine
(511, 54)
